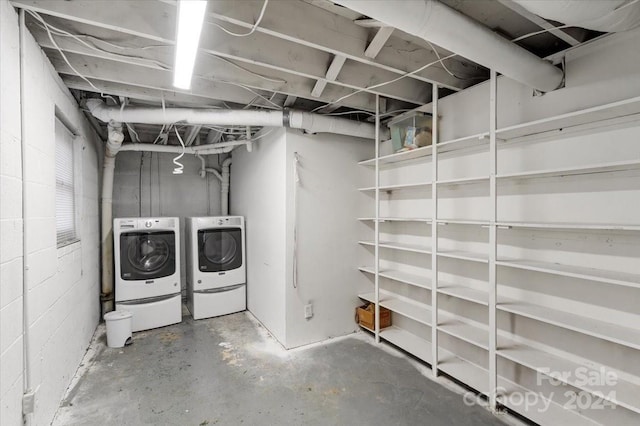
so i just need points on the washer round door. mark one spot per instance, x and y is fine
(147, 255)
(219, 249)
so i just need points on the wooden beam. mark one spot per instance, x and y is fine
(245, 71)
(147, 95)
(191, 135)
(223, 84)
(543, 23)
(290, 101)
(320, 31)
(331, 75)
(376, 45)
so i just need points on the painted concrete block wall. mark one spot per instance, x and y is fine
(63, 284)
(11, 343)
(144, 185)
(258, 192)
(326, 215)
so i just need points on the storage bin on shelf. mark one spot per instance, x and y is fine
(365, 316)
(410, 131)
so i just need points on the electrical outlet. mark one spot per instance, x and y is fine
(308, 311)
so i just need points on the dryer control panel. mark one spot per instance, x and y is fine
(220, 221)
(146, 223)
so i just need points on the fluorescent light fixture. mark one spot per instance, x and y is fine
(190, 19)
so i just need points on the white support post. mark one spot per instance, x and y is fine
(377, 225)
(434, 232)
(493, 241)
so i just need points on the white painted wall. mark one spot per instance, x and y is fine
(327, 230)
(149, 188)
(11, 342)
(600, 72)
(258, 192)
(63, 283)
(262, 186)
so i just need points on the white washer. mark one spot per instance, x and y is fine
(216, 272)
(147, 269)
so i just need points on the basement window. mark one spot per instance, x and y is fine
(65, 186)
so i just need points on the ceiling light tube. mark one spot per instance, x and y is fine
(190, 19)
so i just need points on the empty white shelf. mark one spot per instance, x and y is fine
(369, 297)
(609, 277)
(463, 181)
(462, 222)
(575, 118)
(578, 170)
(396, 219)
(468, 373)
(561, 225)
(397, 187)
(469, 333)
(623, 393)
(411, 343)
(416, 248)
(400, 276)
(398, 157)
(465, 255)
(540, 409)
(480, 139)
(416, 311)
(603, 330)
(465, 293)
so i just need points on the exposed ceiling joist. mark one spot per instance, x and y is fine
(541, 22)
(298, 60)
(225, 75)
(378, 41)
(289, 101)
(332, 73)
(331, 33)
(148, 95)
(192, 134)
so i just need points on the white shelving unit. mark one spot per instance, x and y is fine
(465, 324)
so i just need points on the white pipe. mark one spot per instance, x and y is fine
(311, 123)
(248, 137)
(27, 380)
(224, 186)
(173, 149)
(601, 15)
(316, 123)
(114, 141)
(213, 172)
(451, 30)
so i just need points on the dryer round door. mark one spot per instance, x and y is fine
(219, 249)
(147, 255)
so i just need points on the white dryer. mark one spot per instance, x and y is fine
(216, 272)
(147, 269)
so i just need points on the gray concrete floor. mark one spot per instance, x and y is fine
(230, 371)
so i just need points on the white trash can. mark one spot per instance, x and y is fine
(118, 328)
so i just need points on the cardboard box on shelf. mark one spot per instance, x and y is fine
(365, 316)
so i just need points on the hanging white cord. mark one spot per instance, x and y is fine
(64, 57)
(179, 166)
(264, 7)
(296, 182)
